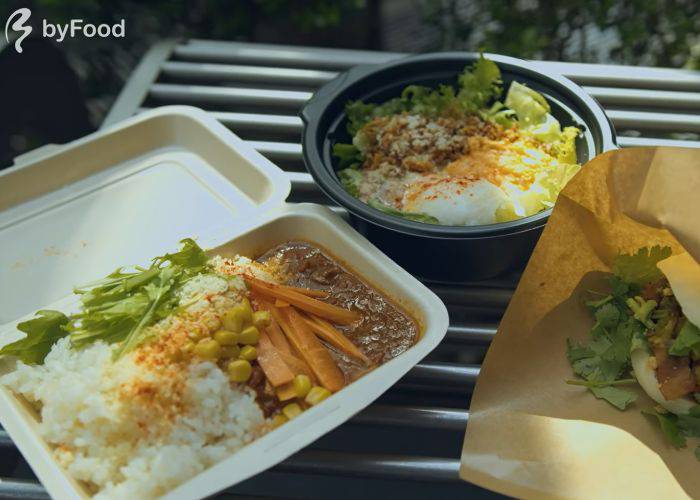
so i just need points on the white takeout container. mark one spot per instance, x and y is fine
(129, 192)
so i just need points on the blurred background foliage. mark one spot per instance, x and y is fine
(639, 32)
(636, 32)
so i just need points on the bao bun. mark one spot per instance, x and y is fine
(683, 275)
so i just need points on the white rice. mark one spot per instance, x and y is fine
(130, 429)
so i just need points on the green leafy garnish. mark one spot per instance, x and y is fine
(349, 156)
(602, 360)
(594, 383)
(624, 320)
(116, 309)
(478, 84)
(43, 331)
(351, 180)
(687, 341)
(669, 427)
(414, 216)
(642, 309)
(608, 391)
(120, 307)
(617, 397)
(640, 268)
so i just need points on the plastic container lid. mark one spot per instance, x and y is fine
(170, 173)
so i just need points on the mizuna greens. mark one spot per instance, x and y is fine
(116, 309)
(413, 155)
(641, 336)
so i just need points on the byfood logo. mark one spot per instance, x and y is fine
(17, 23)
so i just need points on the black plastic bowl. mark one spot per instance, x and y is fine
(450, 254)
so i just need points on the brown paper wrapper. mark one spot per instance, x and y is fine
(529, 433)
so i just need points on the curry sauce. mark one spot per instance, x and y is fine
(384, 330)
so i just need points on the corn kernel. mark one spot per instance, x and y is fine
(278, 420)
(226, 337)
(198, 333)
(302, 385)
(248, 352)
(292, 410)
(316, 395)
(188, 346)
(233, 319)
(262, 319)
(230, 351)
(207, 349)
(247, 311)
(239, 370)
(249, 335)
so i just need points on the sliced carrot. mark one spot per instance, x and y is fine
(298, 366)
(309, 304)
(330, 334)
(306, 291)
(275, 369)
(277, 338)
(286, 392)
(291, 357)
(281, 303)
(311, 349)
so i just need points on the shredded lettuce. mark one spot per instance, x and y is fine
(530, 106)
(351, 180)
(414, 216)
(479, 84)
(349, 156)
(533, 117)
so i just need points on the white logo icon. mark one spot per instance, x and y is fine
(20, 17)
(58, 32)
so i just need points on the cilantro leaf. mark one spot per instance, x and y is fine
(607, 316)
(689, 424)
(640, 267)
(43, 331)
(617, 397)
(603, 359)
(667, 422)
(606, 357)
(594, 304)
(687, 341)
